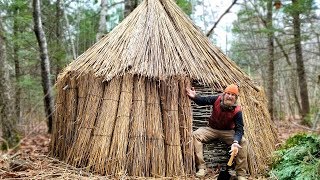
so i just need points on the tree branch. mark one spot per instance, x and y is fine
(114, 4)
(275, 38)
(216, 23)
(283, 51)
(303, 127)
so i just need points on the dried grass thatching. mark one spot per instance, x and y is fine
(169, 106)
(122, 108)
(155, 162)
(101, 140)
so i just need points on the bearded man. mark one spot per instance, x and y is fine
(225, 124)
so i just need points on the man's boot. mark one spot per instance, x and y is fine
(201, 173)
(242, 178)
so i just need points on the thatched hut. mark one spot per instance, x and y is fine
(121, 107)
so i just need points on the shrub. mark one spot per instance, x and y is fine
(298, 158)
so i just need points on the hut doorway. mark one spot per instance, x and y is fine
(215, 152)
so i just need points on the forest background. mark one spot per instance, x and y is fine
(277, 43)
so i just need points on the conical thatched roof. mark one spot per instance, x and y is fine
(156, 42)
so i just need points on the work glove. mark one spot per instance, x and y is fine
(235, 148)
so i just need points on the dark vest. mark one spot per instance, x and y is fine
(220, 119)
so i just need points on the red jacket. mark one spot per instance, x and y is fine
(220, 119)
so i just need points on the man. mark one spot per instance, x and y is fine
(226, 124)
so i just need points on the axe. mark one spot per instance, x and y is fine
(224, 173)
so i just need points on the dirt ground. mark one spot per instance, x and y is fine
(31, 160)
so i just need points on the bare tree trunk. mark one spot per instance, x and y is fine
(300, 65)
(129, 6)
(17, 66)
(271, 58)
(45, 64)
(296, 98)
(7, 120)
(102, 22)
(58, 35)
(318, 41)
(73, 47)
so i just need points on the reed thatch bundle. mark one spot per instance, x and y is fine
(102, 134)
(169, 92)
(126, 111)
(155, 161)
(71, 114)
(79, 153)
(118, 147)
(185, 119)
(137, 134)
(57, 140)
(66, 111)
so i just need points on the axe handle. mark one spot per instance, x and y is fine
(231, 159)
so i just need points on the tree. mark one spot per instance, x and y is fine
(17, 63)
(102, 21)
(87, 30)
(21, 56)
(19, 21)
(45, 64)
(270, 87)
(58, 53)
(248, 49)
(252, 50)
(7, 120)
(129, 6)
(267, 23)
(296, 11)
(216, 23)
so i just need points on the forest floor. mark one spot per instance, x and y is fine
(31, 160)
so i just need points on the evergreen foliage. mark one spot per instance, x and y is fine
(298, 158)
(249, 49)
(185, 5)
(88, 26)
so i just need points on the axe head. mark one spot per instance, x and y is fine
(224, 175)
